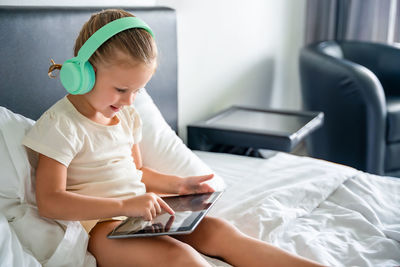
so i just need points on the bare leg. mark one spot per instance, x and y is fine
(153, 251)
(216, 237)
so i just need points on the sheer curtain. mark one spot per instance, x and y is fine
(366, 20)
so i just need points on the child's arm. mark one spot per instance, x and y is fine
(170, 184)
(55, 202)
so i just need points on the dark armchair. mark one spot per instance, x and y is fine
(357, 86)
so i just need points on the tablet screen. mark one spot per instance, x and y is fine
(189, 210)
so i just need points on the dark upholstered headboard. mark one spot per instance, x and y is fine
(30, 36)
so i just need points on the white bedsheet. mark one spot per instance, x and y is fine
(323, 211)
(11, 251)
(326, 212)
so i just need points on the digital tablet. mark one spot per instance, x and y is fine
(189, 211)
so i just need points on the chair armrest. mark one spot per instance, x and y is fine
(353, 101)
(376, 113)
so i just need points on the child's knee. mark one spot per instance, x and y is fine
(215, 233)
(219, 227)
(182, 254)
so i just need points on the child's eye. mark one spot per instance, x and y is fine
(120, 90)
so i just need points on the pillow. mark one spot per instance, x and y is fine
(163, 150)
(49, 242)
(15, 182)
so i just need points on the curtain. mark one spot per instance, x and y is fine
(364, 20)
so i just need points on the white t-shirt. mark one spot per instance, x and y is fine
(98, 157)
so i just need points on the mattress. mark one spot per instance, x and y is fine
(327, 212)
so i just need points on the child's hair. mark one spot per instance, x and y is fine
(135, 42)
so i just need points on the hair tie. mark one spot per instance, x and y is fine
(53, 67)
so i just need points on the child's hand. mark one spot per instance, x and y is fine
(195, 185)
(146, 206)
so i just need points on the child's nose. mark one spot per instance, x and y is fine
(130, 98)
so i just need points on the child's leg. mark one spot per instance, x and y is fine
(215, 237)
(154, 251)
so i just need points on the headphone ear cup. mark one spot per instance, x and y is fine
(88, 78)
(75, 80)
(70, 76)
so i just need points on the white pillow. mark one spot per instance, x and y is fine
(163, 150)
(15, 182)
(49, 242)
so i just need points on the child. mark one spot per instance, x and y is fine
(90, 166)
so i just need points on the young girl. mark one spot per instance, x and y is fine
(90, 167)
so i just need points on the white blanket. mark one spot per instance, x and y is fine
(327, 212)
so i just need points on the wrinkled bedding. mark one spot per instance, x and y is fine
(327, 212)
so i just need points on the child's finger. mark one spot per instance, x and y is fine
(147, 216)
(153, 211)
(204, 178)
(165, 206)
(208, 189)
(157, 207)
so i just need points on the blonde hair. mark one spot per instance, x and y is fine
(137, 43)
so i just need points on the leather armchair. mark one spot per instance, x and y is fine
(357, 86)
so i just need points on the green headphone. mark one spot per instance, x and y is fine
(77, 74)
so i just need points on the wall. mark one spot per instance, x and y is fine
(237, 52)
(231, 52)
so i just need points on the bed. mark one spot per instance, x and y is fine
(330, 213)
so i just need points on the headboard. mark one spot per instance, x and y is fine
(30, 36)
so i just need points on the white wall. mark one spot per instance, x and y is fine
(237, 52)
(231, 52)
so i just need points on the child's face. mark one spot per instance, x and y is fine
(117, 85)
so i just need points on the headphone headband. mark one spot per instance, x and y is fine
(108, 31)
(77, 74)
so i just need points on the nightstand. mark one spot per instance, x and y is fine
(270, 129)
